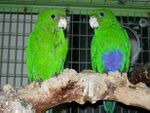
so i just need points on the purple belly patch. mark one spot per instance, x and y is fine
(112, 60)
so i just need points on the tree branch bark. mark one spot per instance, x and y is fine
(72, 86)
(140, 74)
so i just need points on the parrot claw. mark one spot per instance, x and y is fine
(55, 75)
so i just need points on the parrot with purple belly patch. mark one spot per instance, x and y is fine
(110, 47)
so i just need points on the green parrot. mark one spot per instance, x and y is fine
(46, 45)
(110, 46)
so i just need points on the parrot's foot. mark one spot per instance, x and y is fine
(56, 75)
(39, 80)
(106, 72)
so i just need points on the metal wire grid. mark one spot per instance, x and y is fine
(14, 29)
(79, 43)
(143, 33)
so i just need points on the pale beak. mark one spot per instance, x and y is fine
(62, 23)
(93, 22)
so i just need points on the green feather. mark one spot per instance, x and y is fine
(46, 46)
(109, 36)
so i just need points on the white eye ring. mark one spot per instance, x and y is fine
(53, 16)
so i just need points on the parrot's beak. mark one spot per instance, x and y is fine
(93, 22)
(62, 23)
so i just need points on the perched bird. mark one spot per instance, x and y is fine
(46, 45)
(110, 47)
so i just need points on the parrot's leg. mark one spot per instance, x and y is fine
(39, 80)
(55, 75)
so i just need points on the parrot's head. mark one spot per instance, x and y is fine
(101, 18)
(54, 18)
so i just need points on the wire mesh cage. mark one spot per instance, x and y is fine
(17, 21)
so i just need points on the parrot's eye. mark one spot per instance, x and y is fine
(101, 14)
(53, 16)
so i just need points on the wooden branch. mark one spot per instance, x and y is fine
(72, 86)
(140, 74)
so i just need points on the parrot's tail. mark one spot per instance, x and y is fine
(109, 106)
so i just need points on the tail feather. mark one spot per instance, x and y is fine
(109, 106)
